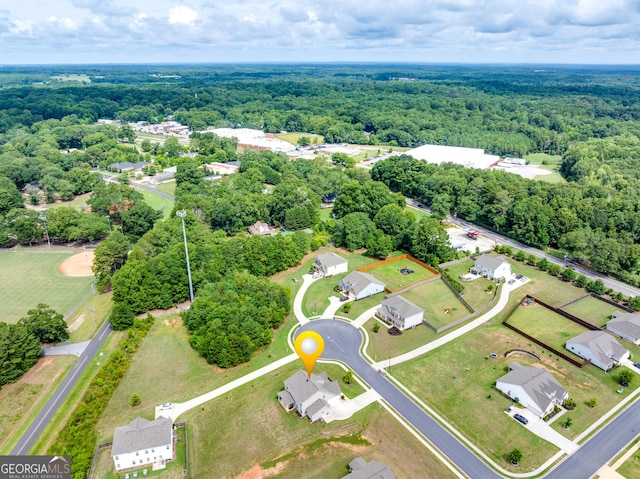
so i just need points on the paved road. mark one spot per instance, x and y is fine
(609, 282)
(42, 420)
(342, 342)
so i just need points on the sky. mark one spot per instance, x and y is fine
(416, 31)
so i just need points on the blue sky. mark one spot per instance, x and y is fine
(484, 31)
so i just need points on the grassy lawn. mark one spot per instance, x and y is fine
(78, 202)
(262, 435)
(475, 292)
(436, 299)
(390, 274)
(174, 469)
(417, 212)
(325, 214)
(62, 415)
(157, 202)
(382, 345)
(20, 401)
(456, 380)
(294, 137)
(592, 310)
(630, 468)
(545, 325)
(31, 276)
(97, 307)
(548, 162)
(168, 187)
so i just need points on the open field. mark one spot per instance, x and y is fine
(174, 469)
(436, 298)
(79, 202)
(551, 163)
(157, 202)
(89, 317)
(475, 292)
(20, 401)
(325, 214)
(168, 187)
(592, 310)
(31, 276)
(262, 435)
(72, 77)
(382, 345)
(294, 137)
(390, 274)
(545, 325)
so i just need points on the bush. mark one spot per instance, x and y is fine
(596, 287)
(515, 456)
(135, 399)
(121, 316)
(376, 327)
(625, 377)
(569, 404)
(581, 281)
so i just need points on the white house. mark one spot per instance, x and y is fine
(142, 443)
(309, 396)
(361, 469)
(535, 388)
(261, 229)
(360, 285)
(493, 267)
(330, 264)
(625, 325)
(400, 312)
(602, 349)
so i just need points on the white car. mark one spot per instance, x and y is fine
(165, 406)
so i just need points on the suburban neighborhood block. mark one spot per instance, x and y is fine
(361, 469)
(602, 349)
(534, 388)
(360, 285)
(492, 267)
(625, 325)
(143, 442)
(400, 312)
(331, 264)
(309, 396)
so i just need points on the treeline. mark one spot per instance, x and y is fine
(595, 218)
(507, 112)
(20, 344)
(78, 437)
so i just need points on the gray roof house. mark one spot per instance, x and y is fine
(625, 325)
(330, 264)
(142, 442)
(309, 396)
(493, 267)
(535, 388)
(361, 469)
(400, 312)
(599, 347)
(361, 285)
(128, 166)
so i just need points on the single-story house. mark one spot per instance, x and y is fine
(128, 166)
(361, 469)
(261, 229)
(625, 325)
(492, 267)
(535, 388)
(602, 349)
(330, 264)
(400, 312)
(310, 396)
(223, 168)
(360, 285)
(142, 442)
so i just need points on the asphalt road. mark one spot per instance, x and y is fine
(42, 420)
(342, 342)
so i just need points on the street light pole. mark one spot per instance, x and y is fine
(46, 230)
(182, 214)
(109, 222)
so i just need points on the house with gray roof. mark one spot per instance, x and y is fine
(599, 347)
(361, 469)
(360, 285)
(492, 267)
(330, 264)
(534, 388)
(400, 312)
(142, 442)
(625, 325)
(310, 396)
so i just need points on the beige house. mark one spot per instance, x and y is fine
(400, 312)
(261, 229)
(309, 396)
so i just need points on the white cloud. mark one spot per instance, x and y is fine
(182, 15)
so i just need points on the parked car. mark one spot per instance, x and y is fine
(344, 298)
(521, 418)
(637, 365)
(519, 276)
(167, 405)
(511, 281)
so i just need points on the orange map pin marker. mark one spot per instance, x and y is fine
(309, 346)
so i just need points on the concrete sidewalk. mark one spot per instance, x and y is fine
(75, 349)
(366, 316)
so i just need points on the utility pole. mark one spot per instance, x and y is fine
(109, 222)
(43, 217)
(182, 215)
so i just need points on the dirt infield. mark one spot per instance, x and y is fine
(78, 265)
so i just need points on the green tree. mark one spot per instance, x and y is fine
(19, 351)
(568, 423)
(348, 377)
(46, 324)
(596, 287)
(10, 196)
(109, 256)
(568, 274)
(379, 244)
(121, 316)
(520, 256)
(430, 242)
(625, 377)
(593, 402)
(634, 303)
(138, 220)
(135, 399)
(515, 456)
(581, 281)
(376, 327)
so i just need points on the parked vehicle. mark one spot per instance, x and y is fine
(167, 405)
(521, 418)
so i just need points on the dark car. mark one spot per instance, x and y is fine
(344, 298)
(637, 365)
(519, 276)
(522, 419)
